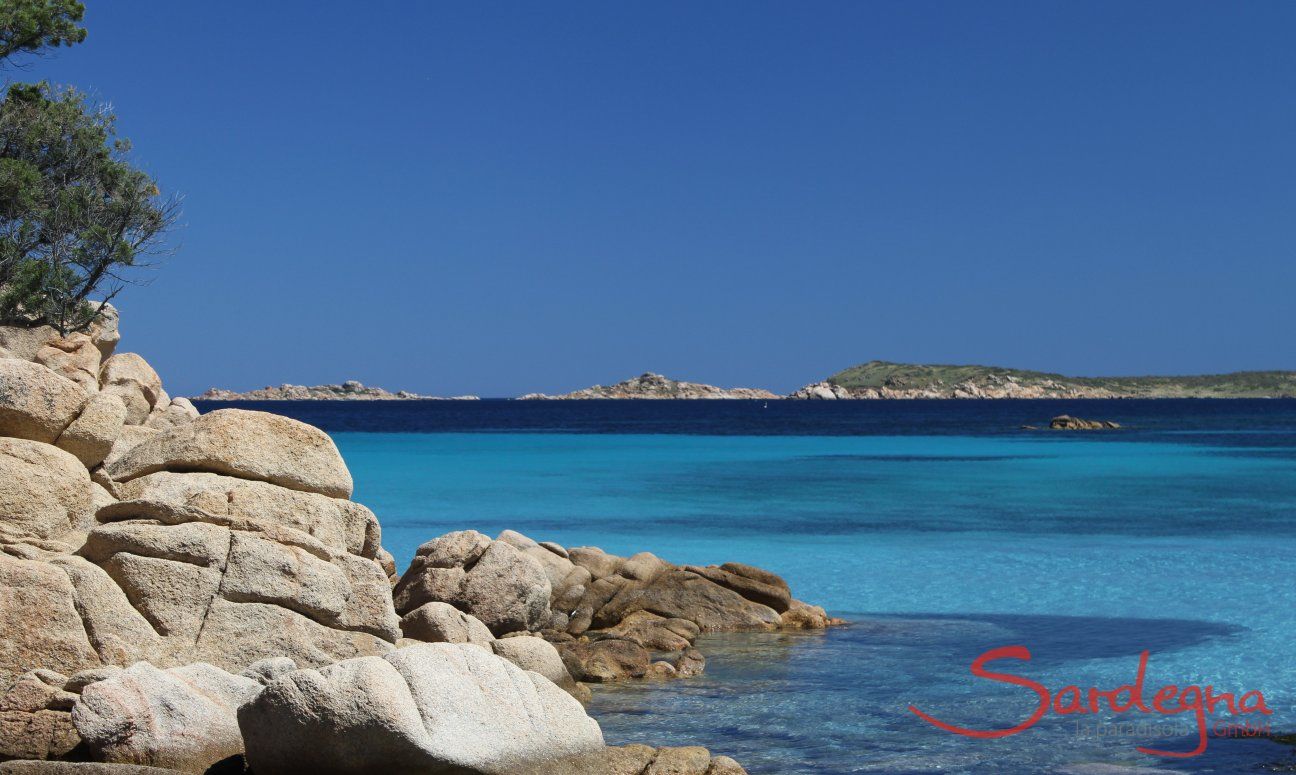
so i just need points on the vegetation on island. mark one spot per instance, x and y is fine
(76, 216)
(878, 375)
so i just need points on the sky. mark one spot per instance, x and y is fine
(500, 198)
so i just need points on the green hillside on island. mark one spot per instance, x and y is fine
(904, 379)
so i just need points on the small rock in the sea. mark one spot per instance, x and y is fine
(1066, 422)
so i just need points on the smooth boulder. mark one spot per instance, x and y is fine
(438, 622)
(181, 719)
(245, 444)
(429, 708)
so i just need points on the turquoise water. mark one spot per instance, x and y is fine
(1087, 550)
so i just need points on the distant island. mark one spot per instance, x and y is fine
(649, 385)
(351, 390)
(875, 380)
(884, 380)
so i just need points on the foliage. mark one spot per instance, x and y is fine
(27, 26)
(74, 213)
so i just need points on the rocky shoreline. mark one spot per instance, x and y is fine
(189, 592)
(351, 390)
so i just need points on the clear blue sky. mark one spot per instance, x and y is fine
(500, 198)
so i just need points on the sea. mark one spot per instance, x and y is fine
(938, 529)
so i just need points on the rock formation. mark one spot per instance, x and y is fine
(350, 390)
(184, 592)
(1065, 422)
(610, 618)
(649, 385)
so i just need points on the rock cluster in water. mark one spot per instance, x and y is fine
(1066, 422)
(183, 591)
(351, 390)
(649, 385)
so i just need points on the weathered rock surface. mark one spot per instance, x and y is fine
(1066, 422)
(36, 403)
(430, 708)
(181, 719)
(499, 585)
(93, 433)
(649, 385)
(45, 493)
(122, 564)
(539, 656)
(35, 722)
(132, 379)
(26, 343)
(249, 445)
(438, 622)
(74, 357)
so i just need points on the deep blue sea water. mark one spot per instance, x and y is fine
(938, 528)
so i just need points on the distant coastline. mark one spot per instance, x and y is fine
(654, 386)
(351, 390)
(875, 380)
(886, 380)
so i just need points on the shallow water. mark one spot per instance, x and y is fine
(938, 528)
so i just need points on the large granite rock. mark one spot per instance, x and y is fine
(238, 584)
(438, 622)
(131, 378)
(428, 708)
(539, 656)
(249, 445)
(36, 403)
(44, 491)
(180, 719)
(74, 357)
(176, 567)
(93, 433)
(505, 589)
